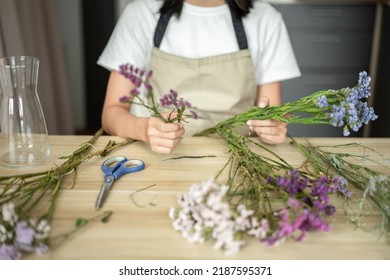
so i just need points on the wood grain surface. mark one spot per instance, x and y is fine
(140, 228)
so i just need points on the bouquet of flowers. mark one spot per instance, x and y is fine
(170, 100)
(345, 108)
(266, 198)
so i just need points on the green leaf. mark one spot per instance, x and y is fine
(336, 162)
(81, 222)
(106, 217)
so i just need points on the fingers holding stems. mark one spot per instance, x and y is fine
(269, 131)
(164, 137)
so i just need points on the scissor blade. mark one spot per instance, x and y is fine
(105, 188)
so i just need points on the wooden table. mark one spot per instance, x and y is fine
(140, 227)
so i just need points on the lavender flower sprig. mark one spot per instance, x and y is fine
(371, 188)
(345, 108)
(171, 100)
(308, 205)
(20, 235)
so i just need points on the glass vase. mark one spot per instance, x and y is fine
(23, 134)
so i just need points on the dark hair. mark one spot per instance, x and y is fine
(239, 8)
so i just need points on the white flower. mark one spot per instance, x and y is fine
(42, 230)
(9, 214)
(377, 184)
(258, 230)
(3, 234)
(205, 213)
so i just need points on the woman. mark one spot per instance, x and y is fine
(222, 56)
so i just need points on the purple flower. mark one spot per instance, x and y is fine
(351, 110)
(292, 182)
(285, 229)
(134, 74)
(322, 102)
(9, 252)
(346, 131)
(316, 223)
(340, 184)
(41, 248)
(124, 99)
(172, 99)
(307, 205)
(352, 113)
(352, 96)
(141, 80)
(321, 203)
(338, 114)
(320, 186)
(148, 86)
(24, 235)
(194, 114)
(340, 181)
(292, 202)
(330, 210)
(18, 236)
(364, 86)
(148, 74)
(367, 113)
(299, 220)
(134, 91)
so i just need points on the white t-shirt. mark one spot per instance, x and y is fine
(202, 32)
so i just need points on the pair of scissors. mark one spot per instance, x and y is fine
(113, 169)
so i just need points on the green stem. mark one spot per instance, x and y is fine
(81, 223)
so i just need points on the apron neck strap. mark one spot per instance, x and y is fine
(240, 33)
(161, 28)
(164, 20)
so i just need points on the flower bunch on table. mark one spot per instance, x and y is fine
(21, 234)
(28, 202)
(210, 210)
(265, 197)
(371, 188)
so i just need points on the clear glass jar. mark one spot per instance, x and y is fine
(23, 134)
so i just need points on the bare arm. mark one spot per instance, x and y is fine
(269, 131)
(116, 119)
(271, 91)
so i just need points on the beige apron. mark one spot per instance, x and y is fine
(218, 86)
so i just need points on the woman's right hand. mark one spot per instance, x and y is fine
(164, 137)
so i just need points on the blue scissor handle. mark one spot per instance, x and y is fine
(109, 166)
(118, 166)
(129, 166)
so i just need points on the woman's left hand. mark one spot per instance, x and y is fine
(269, 131)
